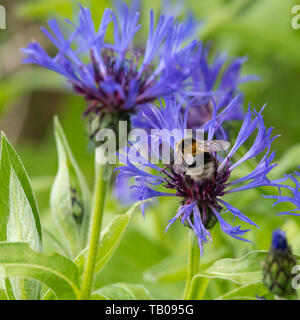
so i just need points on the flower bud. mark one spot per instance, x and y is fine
(70, 196)
(96, 121)
(277, 269)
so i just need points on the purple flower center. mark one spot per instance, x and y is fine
(205, 191)
(119, 86)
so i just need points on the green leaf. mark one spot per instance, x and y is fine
(11, 160)
(70, 195)
(245, 270)
(109, 239)
(21, 227)
(19, 216)
(55, 271)
(247, 291)
(122, 291)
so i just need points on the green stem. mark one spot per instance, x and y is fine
(198, 288)
(193, 263)
(103, 174)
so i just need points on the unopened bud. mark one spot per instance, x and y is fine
(277, 269)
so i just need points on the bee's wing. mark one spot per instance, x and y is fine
(212, 145)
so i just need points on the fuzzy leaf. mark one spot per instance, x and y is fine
(245, 270)
(70, 196)
(21, 227)
(10, 159)
(57, 272)
(19, 216)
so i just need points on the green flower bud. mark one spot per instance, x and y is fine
(70, 196)
(96, 121)
(277, 269)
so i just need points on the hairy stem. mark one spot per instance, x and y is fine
(198, 288)
(103, 174)
(193, 263)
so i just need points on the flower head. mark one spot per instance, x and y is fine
(216, 83)
(212, 87)
(116, 77)
(201, 199)
(277, 268)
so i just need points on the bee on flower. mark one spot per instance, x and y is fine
(202, 203)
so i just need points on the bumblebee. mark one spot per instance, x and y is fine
(190, 150)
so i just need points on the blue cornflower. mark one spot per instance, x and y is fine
(215, 82)
(115, 77)
(294, 198)
(202, 203)
(211, 88)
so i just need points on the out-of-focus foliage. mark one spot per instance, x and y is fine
(31, 96)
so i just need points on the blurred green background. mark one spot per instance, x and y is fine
(30, 96)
